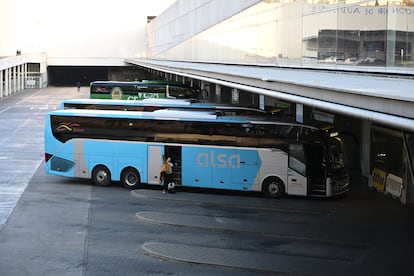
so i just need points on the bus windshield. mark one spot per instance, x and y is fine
(336, 154)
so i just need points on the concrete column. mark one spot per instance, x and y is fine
(10, 91)
(299, 113)
(11, 82)
(14, 79)
(235, 96)
(25, 76)
(218, 93)
(43, 75)
(365, 149)
(6, 82)
(22, 78)
(1, 84)
(262, 102)
(19, 75)
(390, 53)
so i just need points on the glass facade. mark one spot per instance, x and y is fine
(307, 33)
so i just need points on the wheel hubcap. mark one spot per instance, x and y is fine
(273, 188)
(130, 179)
(101, 176)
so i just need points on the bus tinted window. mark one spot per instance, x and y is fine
(187, 132)
(141, 90)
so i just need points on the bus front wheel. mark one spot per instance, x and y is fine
(130, 178)
(101, 176)
(273, 188)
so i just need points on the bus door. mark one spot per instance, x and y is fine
(316, 169)
(154, 163)
(174, 152)
(297, 181)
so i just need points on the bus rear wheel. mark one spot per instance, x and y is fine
(273, 188)
(130, 178)
(101, 176)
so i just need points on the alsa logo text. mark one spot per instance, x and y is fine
(221, 160)
(69, 127)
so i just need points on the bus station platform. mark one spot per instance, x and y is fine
(225, 257)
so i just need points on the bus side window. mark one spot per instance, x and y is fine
(297, 158)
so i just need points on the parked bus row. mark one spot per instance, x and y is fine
(236, 151)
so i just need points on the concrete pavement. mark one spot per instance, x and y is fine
(22, 118)
(313, 242)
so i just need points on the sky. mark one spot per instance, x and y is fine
(84, 26)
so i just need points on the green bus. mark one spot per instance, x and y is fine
(139, 90)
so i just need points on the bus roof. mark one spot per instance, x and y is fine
(139, 83)
(158, 102)
(161, 114)
(172, 114)
(163, 102)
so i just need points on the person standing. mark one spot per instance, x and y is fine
(169, 176)
(166, 173)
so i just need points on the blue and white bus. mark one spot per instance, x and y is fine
(209, 151)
